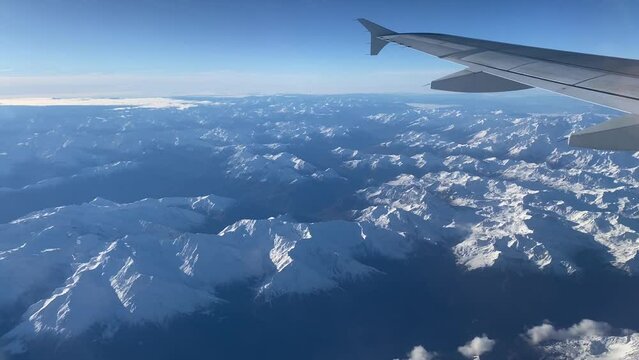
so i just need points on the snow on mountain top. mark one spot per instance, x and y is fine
(81, 232)
(354, 159)
(504, 222)
(281, 167)
(109, 263)
(496, 188)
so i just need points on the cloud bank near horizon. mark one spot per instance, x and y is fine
(215, 83)
(147, 103)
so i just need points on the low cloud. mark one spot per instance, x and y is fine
(477, 346)
(420, 353)
(148, 103)
(215, 83)
(585, 328)
(587, 339)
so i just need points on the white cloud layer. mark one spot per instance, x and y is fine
(216, 83)
(477, 346)
(148, 103)
(584, 328)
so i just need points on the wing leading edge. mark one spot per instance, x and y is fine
(494, 67)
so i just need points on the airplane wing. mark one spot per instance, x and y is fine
(494, 66)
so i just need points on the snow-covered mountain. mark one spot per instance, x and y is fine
(312, 194)
(101, 261)
(282, 167)
(106, 263)
(595, 347)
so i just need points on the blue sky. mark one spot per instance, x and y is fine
(179, 47)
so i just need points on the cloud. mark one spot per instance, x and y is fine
(585, 328)
(477, 346)
(420, 353)
(148, 103)
(215, 83)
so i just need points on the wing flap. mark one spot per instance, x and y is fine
(497, 60)
(614, 84)
(476, 82)
(431, 46)
(617, 134)
(557, 72)
(590, 95)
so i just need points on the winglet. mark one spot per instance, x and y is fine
(376, 31)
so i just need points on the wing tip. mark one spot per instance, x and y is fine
(376, 31)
